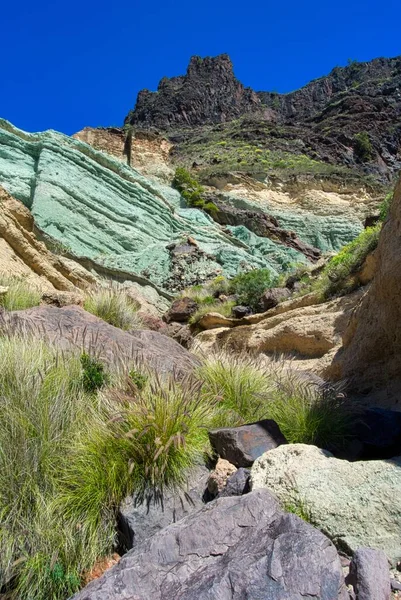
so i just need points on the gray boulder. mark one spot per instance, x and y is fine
(73, 327)
(369, 575)
(137, 522)
(235, 548)
(242, 445)
(237, 484)
(355, 503)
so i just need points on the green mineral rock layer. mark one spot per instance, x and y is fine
(101, 209)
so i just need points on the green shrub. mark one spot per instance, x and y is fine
(192, 191)
(250, 286)
(385, 206)
(337, 277)
(222, 308)
(20, 295)
(138, 379)
(113, 306)
(93, 375)
(363, 146)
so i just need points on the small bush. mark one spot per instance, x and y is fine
(337, 277)
(363, 146)
(113, 306)
(20, 295)
(222, 308)
(249, 287)
(138, 379)
(192, 191)
(93, 375)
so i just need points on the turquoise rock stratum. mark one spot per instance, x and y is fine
(101, 209)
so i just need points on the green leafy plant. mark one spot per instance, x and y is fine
(138, 379)
(250, 286)
(93, 374)
(20, 294)
(113, 306)
(385, 206)
(363, 146)
(192, 191)
(298, 506)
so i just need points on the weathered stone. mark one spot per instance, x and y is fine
(370, 575)
(356, 504)
(73, 327)
(274, 296)
(237, 484)
(137, 522)
(60, 299)
(233, 549)
(181, 310)
(181, 333)
(4, 289)
(242, 445)
(240, 311)
(219, 476)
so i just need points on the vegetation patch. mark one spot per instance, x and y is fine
(192, 191)
(113, 306)
(222, 308)
(20, 294)
(250, 286)
(363, 146)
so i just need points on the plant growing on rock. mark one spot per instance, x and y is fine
(250, 286)
(192, 191)
(20, 294)
(363, 146)
(385, 206)
(113, 306)
(222, 308)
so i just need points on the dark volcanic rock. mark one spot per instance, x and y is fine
(181, 310)
(233, 549)
(274, 296)
(137, 522)
(320, 120)
(262, 225)
(241, 446)
(73, 327)
(239, 312)
(237, 484)
(208, 93)
(370, 575)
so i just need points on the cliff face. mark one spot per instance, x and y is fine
(209, 93)
(370, 357)
(320, 120)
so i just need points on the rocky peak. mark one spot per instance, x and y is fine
(209, 93)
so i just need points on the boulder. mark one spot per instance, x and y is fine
(60, 299)
(369, 575)
(137, 522)
(237, 484)
(274, 296)
(240, 311)
(354, 503)
(219, 476)
(181, 310)
(242, 445)
(73, 327)
(180, 332)
(234, 548)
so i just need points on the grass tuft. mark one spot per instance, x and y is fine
(113, 306)
(222, 308)
(20, 294)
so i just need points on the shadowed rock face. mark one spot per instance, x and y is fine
(208, 93)
(370, 357)
(234, 548)
(325, 115)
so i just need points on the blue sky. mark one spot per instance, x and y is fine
(65, 65)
